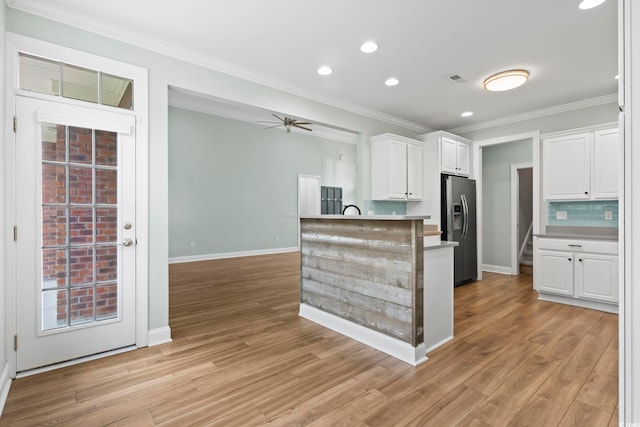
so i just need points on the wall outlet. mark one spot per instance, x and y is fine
(561, 214)
(608, 215)
(193, 244)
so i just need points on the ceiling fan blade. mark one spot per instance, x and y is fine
(279, 118)
(271, 127)
(302, 123)
(266, 121)
(302, 127)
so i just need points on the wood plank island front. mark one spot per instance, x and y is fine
(364, 276)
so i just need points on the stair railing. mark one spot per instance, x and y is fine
(524, 242)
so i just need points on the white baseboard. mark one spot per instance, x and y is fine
(5, 385)
(392, 346)
(208, 257)
(594, 305)
(496, 269)
(438, 344)
(159, 336)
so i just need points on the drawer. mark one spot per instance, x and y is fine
(576, 245)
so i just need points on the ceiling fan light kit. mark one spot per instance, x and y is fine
(505, 80)
(288, 123)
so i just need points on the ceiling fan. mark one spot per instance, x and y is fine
(288, 123)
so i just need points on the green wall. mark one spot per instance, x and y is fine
(604, 113)
(496, 198)
(233, 184)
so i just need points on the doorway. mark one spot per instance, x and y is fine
(522, 218)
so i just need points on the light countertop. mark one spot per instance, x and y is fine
(369, 217)
(439, 245)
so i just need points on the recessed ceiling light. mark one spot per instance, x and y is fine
(392, 81)
(324, 70)
(589, 4)
(369, 47)
(506, 80)
(467, 114)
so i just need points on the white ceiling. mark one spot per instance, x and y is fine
(571, 54)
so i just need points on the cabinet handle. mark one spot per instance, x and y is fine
(586, 192)
(569, 259)
(580, 259)
(575, 246)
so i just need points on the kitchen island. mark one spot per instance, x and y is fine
(365, 277)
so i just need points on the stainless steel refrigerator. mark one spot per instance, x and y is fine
(459, 224)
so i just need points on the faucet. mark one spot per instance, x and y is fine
(351, 206)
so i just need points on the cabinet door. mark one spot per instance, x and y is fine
(462, 158)
(606, 162)
(556, 271)
(448, 155)
(596, 277)
(565, 167)
(414, 171)
(397, 170)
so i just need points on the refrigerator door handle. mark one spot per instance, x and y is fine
(465, 212)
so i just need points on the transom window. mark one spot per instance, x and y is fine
(70, 81)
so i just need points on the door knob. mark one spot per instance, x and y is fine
(127, 242)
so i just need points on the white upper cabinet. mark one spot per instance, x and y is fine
(462, 158)
(606, 164)
(414, 171)
(581, 166)
(454, 156)
(565, 167)
(396, 168)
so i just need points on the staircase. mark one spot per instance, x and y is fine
(526, 254)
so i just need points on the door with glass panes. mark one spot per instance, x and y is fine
(75, 246)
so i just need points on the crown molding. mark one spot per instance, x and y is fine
(128, 36)
(200, 103)
(572, 106)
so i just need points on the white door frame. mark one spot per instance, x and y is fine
(17, 43)
(477, 174)
(515, 210)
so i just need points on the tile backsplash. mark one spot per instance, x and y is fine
(584, 214)
(384, 207)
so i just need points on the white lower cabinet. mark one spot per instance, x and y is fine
(596, 277)
(556, 271)
(578, 272)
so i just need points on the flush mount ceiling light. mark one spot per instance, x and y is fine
(505, 80)
(369, 47)
(324, 70)
(589, 4)
(391, 81)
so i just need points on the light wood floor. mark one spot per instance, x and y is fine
(242, 356)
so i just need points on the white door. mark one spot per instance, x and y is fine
(566, 167)
(414, 172)
(606, 164)
(462, 158)
(448, 155)
(556, 272)
(75, 248)
(397, 170)
(597, 277)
